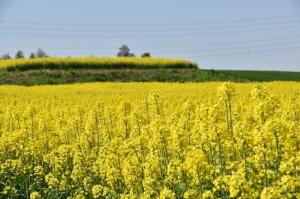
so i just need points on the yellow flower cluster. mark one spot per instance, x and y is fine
(150, 140)
(94, 63)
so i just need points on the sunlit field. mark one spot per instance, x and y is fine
(94, 63)
(150, 140)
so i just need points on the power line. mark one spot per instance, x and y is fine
(149, 24)
(284, 40)
(144, 30)
(245, 53)
(144, 36)
(233, 53)
(203, 49)
(231, 49)
(165, 29)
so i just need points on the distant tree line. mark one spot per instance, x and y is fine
(20, 55)
(124, 51)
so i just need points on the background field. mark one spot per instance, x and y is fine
(138, 91)
(53, 63)
(72, 70)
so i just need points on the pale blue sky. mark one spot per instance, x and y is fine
(219, 34)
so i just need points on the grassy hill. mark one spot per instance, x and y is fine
(72, 70)
(260, 76)
(40, 77)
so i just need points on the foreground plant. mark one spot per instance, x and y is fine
(87, 141)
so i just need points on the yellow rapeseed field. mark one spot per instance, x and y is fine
(94, 63)
(150, 140)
